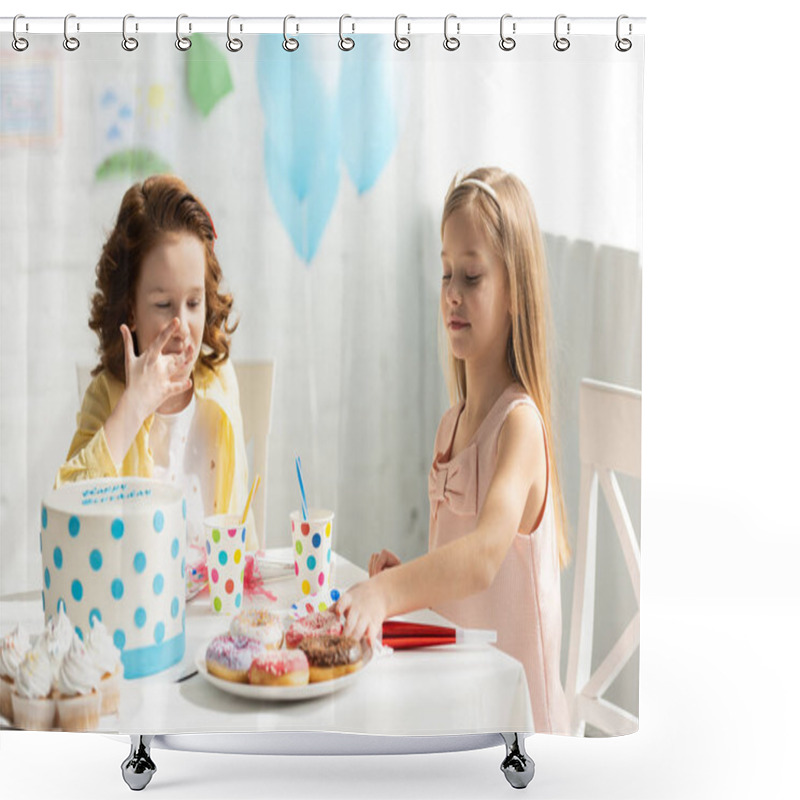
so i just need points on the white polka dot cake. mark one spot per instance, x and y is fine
(113, 549)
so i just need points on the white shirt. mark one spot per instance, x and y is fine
(183, 454)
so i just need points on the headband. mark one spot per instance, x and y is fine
(481, 185)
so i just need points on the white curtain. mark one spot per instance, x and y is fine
(347, 302)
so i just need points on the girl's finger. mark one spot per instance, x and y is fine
(372, 633)
(176, 387)
(127, 341)
(341, 606)
(128, 351)
(165, 334)
(351, 627)
(175, 363)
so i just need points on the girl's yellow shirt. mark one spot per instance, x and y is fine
(89, 456)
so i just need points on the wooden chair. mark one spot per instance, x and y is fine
(610, 443)
(255, 380)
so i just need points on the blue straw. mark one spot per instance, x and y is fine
(302, 489)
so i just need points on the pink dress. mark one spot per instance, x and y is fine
(523, 604)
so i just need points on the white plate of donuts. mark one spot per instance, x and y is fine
(257, 659)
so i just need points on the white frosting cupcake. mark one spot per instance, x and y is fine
(106, 658)
(77, 673)
(57, 638)
(33, 705)
(77, 689)
(12, 649)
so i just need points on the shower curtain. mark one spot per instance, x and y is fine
(323, 171)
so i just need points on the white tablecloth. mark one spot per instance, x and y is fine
(430, 691)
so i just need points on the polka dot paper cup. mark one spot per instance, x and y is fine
(311, 542)
(225, 559)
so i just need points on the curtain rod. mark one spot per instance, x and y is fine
(461, 26)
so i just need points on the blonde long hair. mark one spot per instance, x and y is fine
(509, 222)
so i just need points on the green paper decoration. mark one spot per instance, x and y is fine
(207, 74)
(137, 161)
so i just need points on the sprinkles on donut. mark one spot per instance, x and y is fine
(320, 623)
(258, 623)
(280, 668)
(229, 657)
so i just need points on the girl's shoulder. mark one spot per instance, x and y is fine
(219, 378)
(104, 389)
(516, 396)
(512, 397)
(516, 413)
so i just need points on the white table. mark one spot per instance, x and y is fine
(431, 691)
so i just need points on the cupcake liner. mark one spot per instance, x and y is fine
(109, 693)
(80, 712)
(34, 713)
(6, 706)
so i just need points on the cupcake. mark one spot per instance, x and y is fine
(57, 637)
(77, 689)
(31, 698)
(12, 649)
(105, 656)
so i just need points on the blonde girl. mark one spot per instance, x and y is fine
(497, 536)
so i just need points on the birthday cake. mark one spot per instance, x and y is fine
(114, 549)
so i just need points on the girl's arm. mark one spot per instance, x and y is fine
(106, 431)
(88, 455)
(469, 564)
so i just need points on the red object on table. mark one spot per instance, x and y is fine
(401, 635)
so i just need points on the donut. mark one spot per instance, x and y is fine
(320, 623)
(229, 657)
(258, 624)
(279, 668)
(331, 657)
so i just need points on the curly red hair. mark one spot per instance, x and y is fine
(160, 205)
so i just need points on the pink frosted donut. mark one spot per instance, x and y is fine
(279, 668)
(230, 657)
(320, 623)
(258, 623)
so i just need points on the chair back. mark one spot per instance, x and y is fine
(610, 432)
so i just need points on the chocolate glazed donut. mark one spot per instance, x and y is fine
(331, 657)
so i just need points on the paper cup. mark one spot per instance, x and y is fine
(311, 541)
(225, 559)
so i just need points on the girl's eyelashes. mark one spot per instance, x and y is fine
(191, 304)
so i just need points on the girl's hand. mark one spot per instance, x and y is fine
(381, 561)
(364, 608)
(154, 376)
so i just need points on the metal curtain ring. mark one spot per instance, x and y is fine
(623, 45)
(561, 43)
(451, 42)
(401, 42)
(18, 42)
(234, 45)
(129, 43)
(289, 44)
(506, 42)
(71, 43)
(183, 43)
(345, 43)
